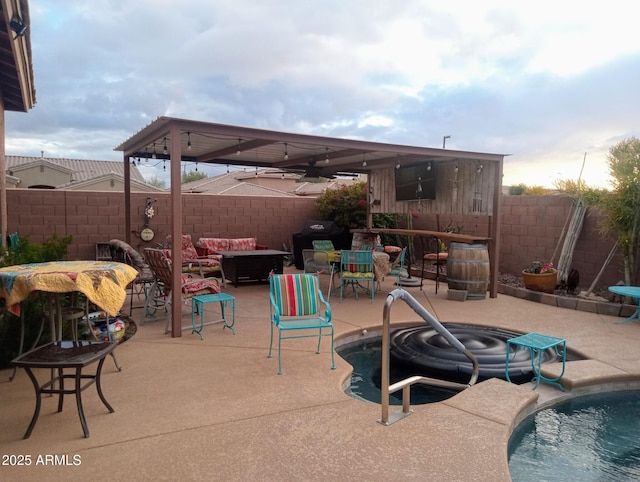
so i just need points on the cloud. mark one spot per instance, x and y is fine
(543, 82)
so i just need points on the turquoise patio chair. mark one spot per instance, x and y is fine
(296, 303)
(397, 268)
(356, 268)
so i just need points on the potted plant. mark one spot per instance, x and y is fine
(540, 277)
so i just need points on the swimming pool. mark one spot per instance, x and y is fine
(588, 438)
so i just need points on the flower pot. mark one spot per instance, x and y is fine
(541, 282)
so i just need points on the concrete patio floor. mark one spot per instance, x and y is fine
(215, 409)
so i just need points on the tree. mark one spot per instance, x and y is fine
(155, 181)
(192, 176)
(622, 206)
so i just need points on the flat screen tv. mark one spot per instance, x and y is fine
(416, 182)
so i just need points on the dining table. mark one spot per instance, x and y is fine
(103, 283)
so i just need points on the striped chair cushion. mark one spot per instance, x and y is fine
(296, 294)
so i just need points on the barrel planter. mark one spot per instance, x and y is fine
(468, 269)
(545, 282)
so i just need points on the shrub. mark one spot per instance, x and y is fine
(52, 249)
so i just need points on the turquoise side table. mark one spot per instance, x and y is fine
(537, 344)
(631, 292)
(197, 305)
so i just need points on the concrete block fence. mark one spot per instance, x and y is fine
(531, 225)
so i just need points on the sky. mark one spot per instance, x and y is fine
(552, 85)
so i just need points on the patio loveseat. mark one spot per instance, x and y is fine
(213, 246)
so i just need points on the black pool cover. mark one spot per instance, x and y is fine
(429, 353)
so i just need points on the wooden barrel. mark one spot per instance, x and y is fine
(468, 269)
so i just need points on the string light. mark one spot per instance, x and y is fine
(153, 156)
(196, 166)
(164, 149)
(238, 151)
(164, 166)
(326, 158)
(364, 161)
(398, 164)
(286, 154)
(429, 166)
(188, 140)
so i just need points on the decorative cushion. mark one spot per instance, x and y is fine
(321, 257)
(296, 294)
(194, 286)
(242, 244)
(358, 274)
(392, 249)
(214, 244)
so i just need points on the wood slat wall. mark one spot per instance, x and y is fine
(469, 190)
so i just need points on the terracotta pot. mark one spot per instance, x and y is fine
(541, 282)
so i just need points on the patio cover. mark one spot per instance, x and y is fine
(168, 138)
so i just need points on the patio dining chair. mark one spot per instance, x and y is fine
(319, 262)
(327, 245)
(397, 267)
(160, 293)
(205, 266)
(356, 268)
(123, 252)
(296, 304)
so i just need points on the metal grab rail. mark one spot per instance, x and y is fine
(405, 385)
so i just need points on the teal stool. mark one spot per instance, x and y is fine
(197, 305)
(537, 344)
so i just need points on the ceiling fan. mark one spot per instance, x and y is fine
(315, 173)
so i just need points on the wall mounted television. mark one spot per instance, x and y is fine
(416, 182)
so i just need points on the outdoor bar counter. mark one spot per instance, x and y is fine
(444, 236)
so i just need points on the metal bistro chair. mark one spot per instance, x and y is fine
(398, 269)
(123, 252)
(356, 267)
(160, 293)
(296, 303)
(319, 262)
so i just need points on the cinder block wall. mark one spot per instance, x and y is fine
(531, 225)
(95, 217)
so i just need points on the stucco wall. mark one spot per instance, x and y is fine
(531, 225)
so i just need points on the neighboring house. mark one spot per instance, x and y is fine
(263, 182)
(72, 174)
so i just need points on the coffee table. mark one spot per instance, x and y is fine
(252, 265)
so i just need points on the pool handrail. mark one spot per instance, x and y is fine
(405, 385)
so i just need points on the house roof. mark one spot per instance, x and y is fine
(83, 169)
(16, 67)
(82, 173)
(242, 183)
(230, 184)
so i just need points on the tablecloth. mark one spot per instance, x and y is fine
(102, 282)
